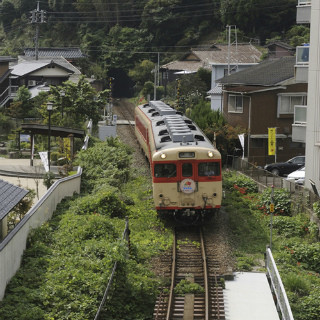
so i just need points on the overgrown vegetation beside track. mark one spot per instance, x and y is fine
(295, 246)
(68, 261)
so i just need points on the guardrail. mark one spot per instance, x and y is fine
(304, 198)
(277, 287)
(13, 245)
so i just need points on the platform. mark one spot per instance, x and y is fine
(249, 297)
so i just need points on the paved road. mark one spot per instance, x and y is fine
(20, 173)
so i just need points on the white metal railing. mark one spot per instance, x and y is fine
(277, 287)
(302, 55)
(304, 2)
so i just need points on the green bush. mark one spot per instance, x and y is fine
(185, 286)
(240, 182)
(316, 208)
(296, 284)
(307, 255)
(297, 226)
(103, 202)
(281, 200)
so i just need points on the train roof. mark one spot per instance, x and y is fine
(171, 128)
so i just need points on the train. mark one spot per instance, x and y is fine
(185, 165)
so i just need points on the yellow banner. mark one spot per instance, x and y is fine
(272, 141)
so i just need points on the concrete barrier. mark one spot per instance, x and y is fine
(12, 247)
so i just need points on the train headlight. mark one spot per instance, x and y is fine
(210, 154)
(163, 156)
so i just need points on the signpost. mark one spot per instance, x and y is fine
(271, 215)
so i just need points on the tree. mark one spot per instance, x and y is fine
(8, 14)
(213, 124)
(141, 73)
(298, 34)
(259, 16)
(121, 46)
(78, 103)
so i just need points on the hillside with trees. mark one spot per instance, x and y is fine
(117, 35)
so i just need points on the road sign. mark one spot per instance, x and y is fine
(271, 207)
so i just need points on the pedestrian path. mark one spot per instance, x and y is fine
(249, 297)
(22, 168)
(20, 173)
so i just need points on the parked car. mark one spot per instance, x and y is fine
(284, 168)
(297, 176)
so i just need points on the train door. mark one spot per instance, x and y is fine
(187, 186)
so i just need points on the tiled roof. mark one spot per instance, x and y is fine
(10, 196)
(27, 65)
(217, 90)
(67, 53)
(280, 44)
(267, 73)
(240, 54)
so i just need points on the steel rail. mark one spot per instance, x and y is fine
(173, 276)
(205, 275)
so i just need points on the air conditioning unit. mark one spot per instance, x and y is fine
(32, 83)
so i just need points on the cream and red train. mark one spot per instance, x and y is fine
(185, 166)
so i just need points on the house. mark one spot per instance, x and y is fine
(39, 74)
(279, 49)
(220, 59)
(72, 54)
(10, 196)
(5, 80)
(261, 97)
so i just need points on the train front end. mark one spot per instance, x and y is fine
(187, 181)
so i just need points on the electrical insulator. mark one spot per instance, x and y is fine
(43, 16)
(33, 16)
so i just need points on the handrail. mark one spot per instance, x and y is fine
(277, 287)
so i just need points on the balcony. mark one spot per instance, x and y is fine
(304, 11)
(302, 64)
(299, 126)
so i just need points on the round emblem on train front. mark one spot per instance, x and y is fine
(187, 186)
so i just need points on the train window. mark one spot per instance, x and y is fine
(165, 139)
(187, 170)
(188, 121)
(186, 154)
(165, 170)
(206, 169)
(163, 132)
(192, 127)
(197, 137)
(160, 123)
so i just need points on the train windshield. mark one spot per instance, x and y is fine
(165, 170)
(206, 169)
(187, 170)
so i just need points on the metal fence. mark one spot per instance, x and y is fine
(277, 287)
(126, 237)
(302, 197)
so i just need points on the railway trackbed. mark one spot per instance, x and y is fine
(195, 266)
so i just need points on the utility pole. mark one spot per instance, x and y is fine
(229, 47)
(37, 16)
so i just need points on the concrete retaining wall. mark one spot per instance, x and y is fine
(12, 247)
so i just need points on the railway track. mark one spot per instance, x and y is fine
(192, 265)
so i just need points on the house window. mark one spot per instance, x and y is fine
(286, 102)
(257, 143)
(300, 114)
(235, 103)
